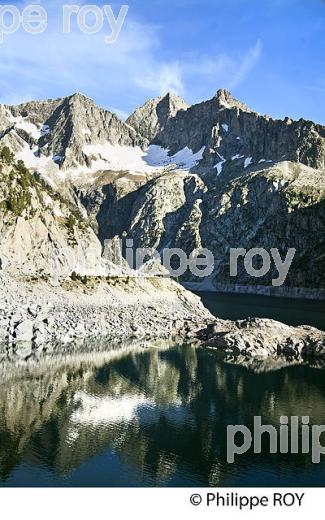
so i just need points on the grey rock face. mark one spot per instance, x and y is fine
(232, 134)
(35, 112)
(78, 122)
(263, 338)
(40, 230)
(280, 207)
(65, 127)
(268, 207)
(162, 209)
(152, 117)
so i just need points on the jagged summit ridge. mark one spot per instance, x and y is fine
(226, 100)
(221, 136)
(151, 117)
(60, 130)
(235, 137)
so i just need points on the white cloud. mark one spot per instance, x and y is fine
(197, 70)
(120, 75)
(248, 62)
(64, 63)
(166, 77)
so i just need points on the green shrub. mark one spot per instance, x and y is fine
(6, 155)
(70, 222)
(74, 276)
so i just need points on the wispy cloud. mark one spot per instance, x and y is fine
(165, 77)
(121, 75)
(224, 70)
(247, 64)
(54, 64)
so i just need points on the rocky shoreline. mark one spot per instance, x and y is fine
(262, 338)
(38, 317)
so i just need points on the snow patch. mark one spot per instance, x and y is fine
(30, 128)
(247, 162)
(219, 165)
(157, 156)
(117, 157)
(22, 124)
(225, 127)
(32, 159)
(186, 158)
(45, 130)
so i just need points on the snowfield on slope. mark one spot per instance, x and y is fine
(115, 158)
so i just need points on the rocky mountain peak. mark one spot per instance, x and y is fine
(73, 133)
(79, 102)
(152, 117)
(80, 97)
(223, 94)
(60, 130)
(173, 103)
(226, 100)
(234, 138)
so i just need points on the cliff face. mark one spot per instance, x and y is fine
(60, 131)
(235, 137)
(282, 206)
(262, 185)
(40, 231)
(152, 117)
(56, 285)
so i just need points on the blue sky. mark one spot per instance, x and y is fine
(269, 53)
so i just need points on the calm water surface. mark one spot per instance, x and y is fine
(150, 416)
(289, 311)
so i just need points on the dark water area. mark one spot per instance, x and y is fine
(290, 311)
(151, 416)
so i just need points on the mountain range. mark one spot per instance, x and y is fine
(215, 174)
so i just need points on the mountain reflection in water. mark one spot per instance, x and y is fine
(152, 416)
